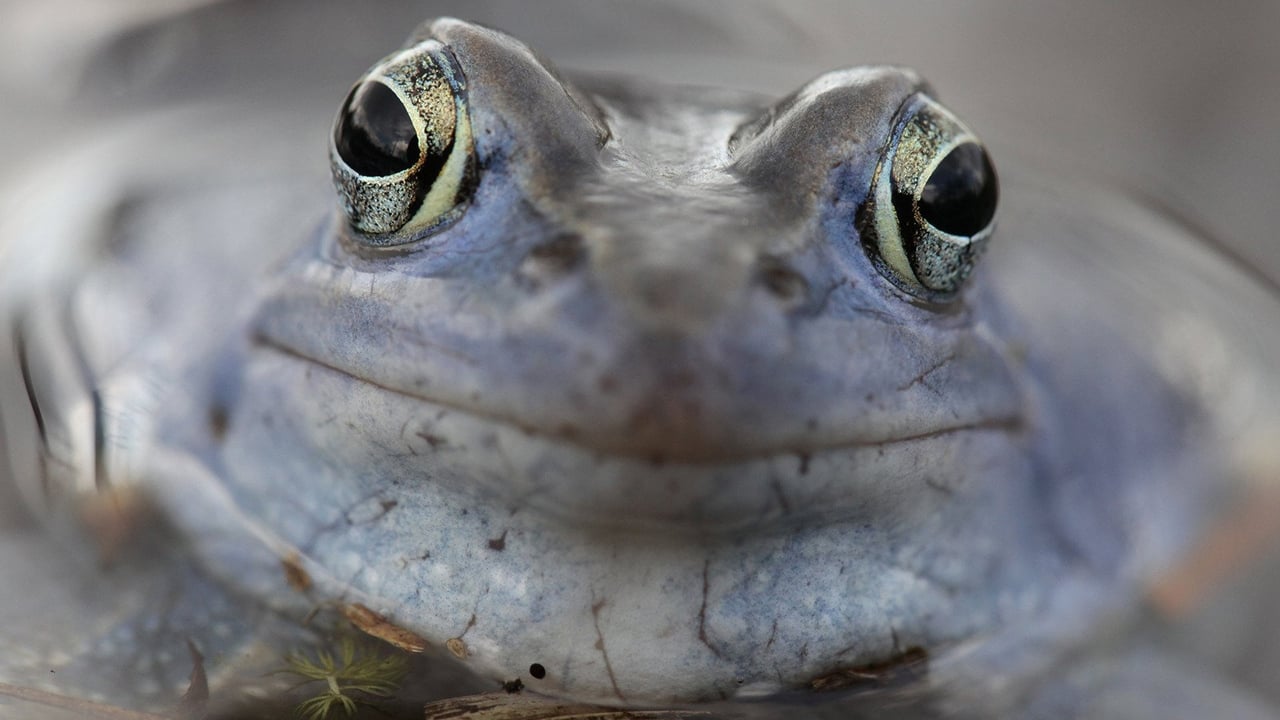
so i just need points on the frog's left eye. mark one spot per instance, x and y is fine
(932, 205)
(401, 150)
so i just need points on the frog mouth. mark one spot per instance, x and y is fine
(585, 481)
(657, 434)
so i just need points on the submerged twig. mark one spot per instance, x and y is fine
(501, 706)
(83, 708)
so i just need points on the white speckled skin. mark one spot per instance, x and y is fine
(633, 460)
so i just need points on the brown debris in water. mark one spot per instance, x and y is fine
(377, 625)
(457, 646)
(294, 573)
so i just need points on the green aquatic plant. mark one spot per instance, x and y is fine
(356, 672)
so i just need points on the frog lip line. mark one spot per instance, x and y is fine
(1011, 423)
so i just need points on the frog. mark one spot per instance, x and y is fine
(641, 396)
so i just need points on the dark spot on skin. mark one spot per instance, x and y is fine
(782, 282)
(499, 543)
(938, 485)
(559, 254)
(568, 430)
(804, 462)
(811, 424)
(387, 505)
(904, 667)
(657, 460)
(537, 671)
(435, 441)
(513, 686)
(218, 422)
(551, 260)
(608, 384)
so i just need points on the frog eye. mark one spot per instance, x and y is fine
(932, 204)
(401, 150)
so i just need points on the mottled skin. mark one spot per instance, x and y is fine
(648, 415)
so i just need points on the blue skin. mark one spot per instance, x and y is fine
(651, 414)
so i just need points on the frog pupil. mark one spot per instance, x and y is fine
(960, 196)
(374, 134)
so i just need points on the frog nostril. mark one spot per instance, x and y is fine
(782, 282)
(553, 258)
(563, 252)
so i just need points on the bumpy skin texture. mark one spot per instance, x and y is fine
(647, 415)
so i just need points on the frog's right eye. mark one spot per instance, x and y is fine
(932, 207)
(401, 150)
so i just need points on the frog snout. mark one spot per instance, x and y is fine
(669, 284)
(674, 283)
(669, 334)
